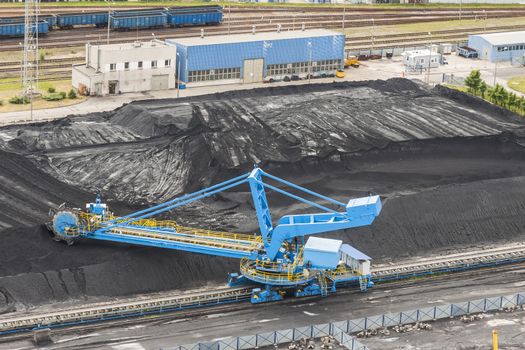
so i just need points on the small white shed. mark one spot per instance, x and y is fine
(421, 59)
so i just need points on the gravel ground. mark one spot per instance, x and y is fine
(450, 169)
(455, 334)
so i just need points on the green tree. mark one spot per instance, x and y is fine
(72, 94)
(511, 101)
(473, 81)
(483, 88)
(521, 104)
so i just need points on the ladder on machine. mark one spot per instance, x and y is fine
(323, 284)
(363, 283)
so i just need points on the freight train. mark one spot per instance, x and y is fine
(118, 20)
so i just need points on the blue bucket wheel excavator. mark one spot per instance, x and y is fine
(277, 261)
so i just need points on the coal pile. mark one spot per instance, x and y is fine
(450, 169)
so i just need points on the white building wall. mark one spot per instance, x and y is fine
(107, 63)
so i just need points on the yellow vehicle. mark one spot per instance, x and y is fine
(340, 73)
(352, 61)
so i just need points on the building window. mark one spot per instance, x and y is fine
(298, 68)
(112, 67)
(167, 63)
(214, 74)
(139, 65)
(126, 65)
(153, 64)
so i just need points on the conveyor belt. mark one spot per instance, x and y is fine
(447, 263)
(190, 238)
(451, 262)
(121, 310)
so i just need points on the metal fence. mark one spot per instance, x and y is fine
(280, 337)
(341, 330)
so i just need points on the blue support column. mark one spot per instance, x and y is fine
(261, 205)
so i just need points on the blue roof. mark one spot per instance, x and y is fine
(354, 253)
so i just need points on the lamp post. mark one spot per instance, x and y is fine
(485, 21)
(229, 18)
(310, 62)
(429, 56)
(373, 32)
(109, 20)
(344, 15)
(178, 75)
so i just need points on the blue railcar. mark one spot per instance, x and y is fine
(16, 29)
(138, 21)
(180, 19)
(50, 19)
(99, 19)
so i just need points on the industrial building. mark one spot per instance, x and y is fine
(120, 68)
(255, 57)
(497, 47)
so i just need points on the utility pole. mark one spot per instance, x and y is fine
(109, 20)
(485, 21)
(429, 56)
(229, 18)
(460, 9)
(310, 62)
(30, 54)
(344, 15)
(495, 72)
(178, 75)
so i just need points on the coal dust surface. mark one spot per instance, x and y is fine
(449, 167)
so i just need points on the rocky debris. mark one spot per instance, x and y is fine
(472, 318)
(515, 308)
(397, 328)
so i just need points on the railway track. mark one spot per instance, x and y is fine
(16, 323)
(80, 36)
(362, 43)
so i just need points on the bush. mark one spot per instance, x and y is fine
(51, 90)
(53, 97)
(1, 102)
(72, 94)
(63, 94)
(19, 100)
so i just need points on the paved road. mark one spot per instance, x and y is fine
(167, 332)
(370, 70)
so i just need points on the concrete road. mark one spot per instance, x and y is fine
(154, 333)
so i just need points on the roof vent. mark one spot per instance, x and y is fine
(202, 33)
(253, 29)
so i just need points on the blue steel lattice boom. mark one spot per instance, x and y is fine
(278, 259)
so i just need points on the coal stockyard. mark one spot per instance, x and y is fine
(238, 176)
(449, 169)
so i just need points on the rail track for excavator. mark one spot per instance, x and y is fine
(23, 322)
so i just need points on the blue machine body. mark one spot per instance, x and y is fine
(274, 259)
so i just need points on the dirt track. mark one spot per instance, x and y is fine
(451, 170)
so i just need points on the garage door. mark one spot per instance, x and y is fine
(253, 71)
(160, 82)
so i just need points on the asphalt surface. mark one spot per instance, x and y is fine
(166, 331)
